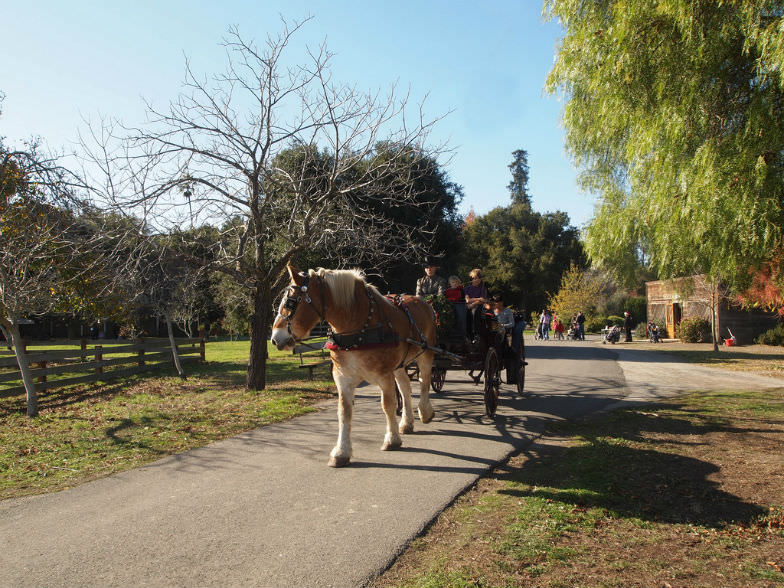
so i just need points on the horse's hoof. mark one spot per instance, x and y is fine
(426, 416)
(406, 429)
(338, 462)
(391, 445)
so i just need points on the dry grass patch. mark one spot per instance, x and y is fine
(681, 493)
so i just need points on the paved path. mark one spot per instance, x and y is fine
(263, 508)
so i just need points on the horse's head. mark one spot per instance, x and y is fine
(301, 308)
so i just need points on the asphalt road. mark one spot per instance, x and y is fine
(263, 508)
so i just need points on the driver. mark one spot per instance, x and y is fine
(431, 284)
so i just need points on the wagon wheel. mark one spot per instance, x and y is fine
(492, 381)
(437, 379)
(521, 363)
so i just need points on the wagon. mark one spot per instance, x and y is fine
(484, 359)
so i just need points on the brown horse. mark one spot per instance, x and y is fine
(372, 339)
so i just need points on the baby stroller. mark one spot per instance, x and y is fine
(572, 334)
(653, 333)
(538, 334)
(613, 336)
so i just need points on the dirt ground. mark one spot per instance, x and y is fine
(681, 493)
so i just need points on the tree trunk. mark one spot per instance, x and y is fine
(6, 336)
(259, 333)
(714, 310)
(175, 352)
(24, 369)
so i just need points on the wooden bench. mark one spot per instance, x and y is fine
(311, 351)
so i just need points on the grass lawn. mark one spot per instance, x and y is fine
(765, 360)
(687, 492)
(90, 431)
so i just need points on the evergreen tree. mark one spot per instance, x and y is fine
(518, 187)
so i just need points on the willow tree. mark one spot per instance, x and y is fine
(280, 149)
(674, 113)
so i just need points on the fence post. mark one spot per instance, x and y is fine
(83, 346)
(140, 353)
(42, 365)
(202, 340)
(99, 359)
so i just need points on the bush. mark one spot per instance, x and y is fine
(638, 307)
(774, 336)
(642, 331)
(693, 330)
(595, 324)
(615, 320)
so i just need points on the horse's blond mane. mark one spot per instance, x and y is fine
(342, 283)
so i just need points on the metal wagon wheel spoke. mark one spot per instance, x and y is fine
(492, 381)
(520, 360)
(437, 379)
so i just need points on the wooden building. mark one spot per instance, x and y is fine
(670, 301)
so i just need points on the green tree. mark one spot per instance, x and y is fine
(577, 292)
(674, 116)
(521, 252)
(518, 187)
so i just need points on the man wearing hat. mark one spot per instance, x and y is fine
(431, 283)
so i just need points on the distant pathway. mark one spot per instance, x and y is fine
(263, 508)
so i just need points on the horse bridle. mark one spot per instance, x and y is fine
(291, 303)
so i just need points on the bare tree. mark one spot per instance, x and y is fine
(280, 156)
(50, 245)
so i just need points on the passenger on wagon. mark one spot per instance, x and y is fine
(475, 297)
(456, 295)
(506, 319)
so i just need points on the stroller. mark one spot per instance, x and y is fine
(572, 334)
(613, 336)
(653, 333)
(538, 334)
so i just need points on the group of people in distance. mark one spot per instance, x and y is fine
(548, 321)
(470, 301)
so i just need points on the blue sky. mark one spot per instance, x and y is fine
(485, 63)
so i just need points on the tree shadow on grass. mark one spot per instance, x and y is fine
(617, 471)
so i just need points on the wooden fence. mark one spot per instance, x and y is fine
(83, 363)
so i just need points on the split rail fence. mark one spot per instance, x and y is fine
(90, 363)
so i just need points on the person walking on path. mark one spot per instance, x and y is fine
(580, 325)
(545, 322)
(558, 328)
(627, 325)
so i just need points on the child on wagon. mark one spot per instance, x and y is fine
(456, 295)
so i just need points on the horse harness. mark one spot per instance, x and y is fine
(366, 337)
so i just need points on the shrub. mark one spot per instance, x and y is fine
(642, 330)
(638, 307)
(693, 329)
(774, 336)
(595, 324)
(615, 320)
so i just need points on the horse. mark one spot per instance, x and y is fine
(372, 338)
